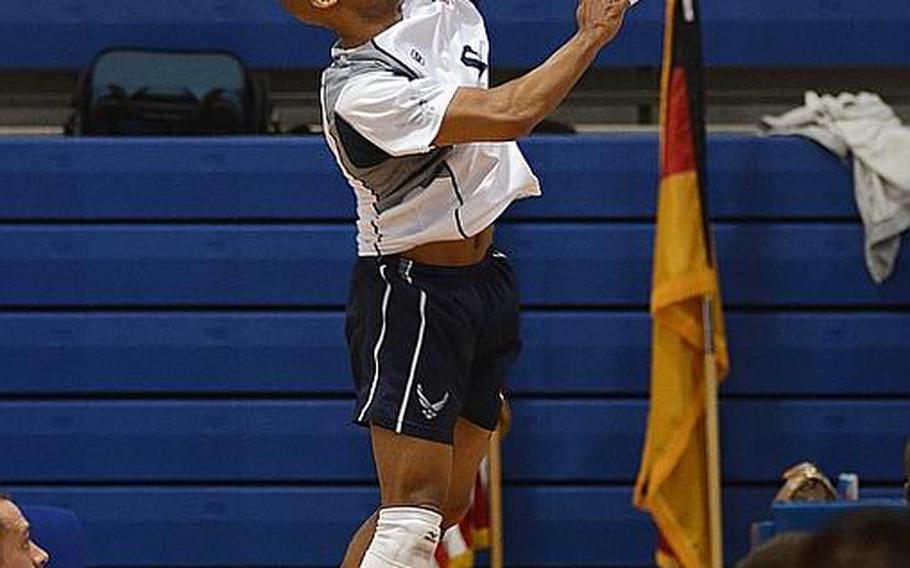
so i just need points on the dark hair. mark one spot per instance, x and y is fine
(871, 538)
(782, 551)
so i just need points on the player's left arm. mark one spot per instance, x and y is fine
(512, 110)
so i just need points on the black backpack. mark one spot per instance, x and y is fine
(137, 92)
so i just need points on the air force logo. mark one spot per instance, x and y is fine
(430, 409)
(471, 58)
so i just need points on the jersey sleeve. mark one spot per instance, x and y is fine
(400, 115)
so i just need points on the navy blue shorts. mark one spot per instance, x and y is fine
(431, 344)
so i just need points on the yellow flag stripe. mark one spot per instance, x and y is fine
(676, 536)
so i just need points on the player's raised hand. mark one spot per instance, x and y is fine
(602, 17)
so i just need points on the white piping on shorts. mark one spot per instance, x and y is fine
(407, 390)
(407, 271)
(689, 10)
(378, 347)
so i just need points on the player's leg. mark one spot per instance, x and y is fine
(411, 353)
(471, 444)
(495, 310)
(469, 448)
(414, 480)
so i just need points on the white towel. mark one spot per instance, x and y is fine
(864, 126)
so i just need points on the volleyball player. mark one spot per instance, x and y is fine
(432, 317)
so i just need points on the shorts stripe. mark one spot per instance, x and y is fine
(407, 390)
(378, 347)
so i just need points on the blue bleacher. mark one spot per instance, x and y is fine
(263, 266)
(237, 526)
(255, 265)
(172, 315)
(230, 441)
(585, 353)
(292, 178)
(737, 32)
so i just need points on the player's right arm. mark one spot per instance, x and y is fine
(512, 110)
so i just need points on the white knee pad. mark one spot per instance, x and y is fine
(405, 537)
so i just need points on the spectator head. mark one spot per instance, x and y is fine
(783, 551)
(871, 538)
(17, 550)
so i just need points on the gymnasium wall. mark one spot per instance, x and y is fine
(55, 34)
(174, 368)
(172, 365)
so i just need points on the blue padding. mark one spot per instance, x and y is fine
(766, 265)
(736, 33)
(187, 441)
(606, 438)
(231, 527)
(523, 32)
(249, 440)
(59, 532)
(557, 265)
(565, 352)
(56, 34)
(812, 517)
(774, 353)
(296, 178)
(616, 176)
(174, 353)
(213, 527)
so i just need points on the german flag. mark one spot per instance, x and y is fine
(460, 543)
(673, 483)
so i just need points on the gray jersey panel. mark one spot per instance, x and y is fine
(389, 178)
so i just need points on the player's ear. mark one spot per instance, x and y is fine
(308, 10)
(292, 5)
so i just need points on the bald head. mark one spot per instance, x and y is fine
(4, 501)
(17, 550)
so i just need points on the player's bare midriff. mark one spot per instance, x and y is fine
(453, 253)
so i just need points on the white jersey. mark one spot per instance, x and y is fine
(383, 105)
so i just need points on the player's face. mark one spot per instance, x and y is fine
(16, 547)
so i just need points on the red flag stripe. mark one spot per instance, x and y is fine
(679, 145)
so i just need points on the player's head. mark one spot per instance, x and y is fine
(17, 550)
(332, 13)
(869, 539)
(783, 551)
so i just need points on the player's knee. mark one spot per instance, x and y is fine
(404, 536)
(417, 492)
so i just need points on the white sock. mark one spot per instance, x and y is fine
(405, 537)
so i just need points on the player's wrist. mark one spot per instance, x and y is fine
(593, 37)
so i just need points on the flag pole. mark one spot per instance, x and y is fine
(712, 431)
(496, 537)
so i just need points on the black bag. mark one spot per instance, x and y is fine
(137, 92)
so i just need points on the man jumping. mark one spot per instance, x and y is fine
(432, 317)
